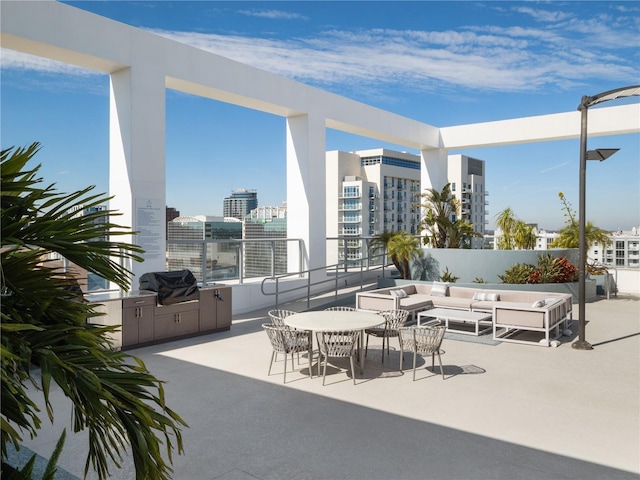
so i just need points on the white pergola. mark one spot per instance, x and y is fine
(142, 66)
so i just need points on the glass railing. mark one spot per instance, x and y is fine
(234, 259)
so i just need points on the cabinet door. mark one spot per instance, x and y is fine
(176, 320)
(208, 309)
(187, 322)
(137, 320)
(130, 326)
(145, 324)
(223, 308)
(164, 326)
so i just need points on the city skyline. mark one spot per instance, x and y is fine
(442, 63)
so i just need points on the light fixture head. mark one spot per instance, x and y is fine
(601, 154)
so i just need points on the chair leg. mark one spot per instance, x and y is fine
(273, 356)
(285, 367)
(441, 369)
(366, 347)
(353, 371)
(401, 356)
(414, 365)
(324, 372)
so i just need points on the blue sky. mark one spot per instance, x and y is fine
(443, 63)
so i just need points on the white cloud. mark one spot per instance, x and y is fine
(273, 14)
(486, 58)
(544, 15)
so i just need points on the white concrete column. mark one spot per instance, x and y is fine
(433, 172)
(306, 189)
(137, 178)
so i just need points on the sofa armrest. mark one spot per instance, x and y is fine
(376, 301)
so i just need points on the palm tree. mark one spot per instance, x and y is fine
(44, 325)
(441, 207)
(506, 221)
(524, 237)
(460, 234)
(402, 248)
(379, 244)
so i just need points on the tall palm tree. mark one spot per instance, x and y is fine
(402, 248)
(506, 221)
(44, 325)
(441, 208)
(460, 234)
(524, 237)
(379, 244)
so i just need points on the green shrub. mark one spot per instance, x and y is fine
(447, 276)
(549, 270)
(518, 274)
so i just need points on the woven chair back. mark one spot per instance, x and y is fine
(286, 340)
(277, 316)
(423, 339)
(339, 343)
(394, 319)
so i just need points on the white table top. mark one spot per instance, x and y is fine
(452, 314)
(326, 321)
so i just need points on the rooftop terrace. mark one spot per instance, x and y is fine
(504, 411)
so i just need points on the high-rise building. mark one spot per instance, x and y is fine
(170, 214)
(220, 260)
(467, 178)
(240, 203)
(372, 191)
(260, 258)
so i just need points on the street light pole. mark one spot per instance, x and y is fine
(581, 343)
(601, 154)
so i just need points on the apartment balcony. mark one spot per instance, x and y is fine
(350, 231)
(349, 208)
(357, 219)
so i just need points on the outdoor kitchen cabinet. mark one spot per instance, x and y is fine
(177, 320)
(215, 308)
(138, 320)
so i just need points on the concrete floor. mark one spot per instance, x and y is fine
(503, 412)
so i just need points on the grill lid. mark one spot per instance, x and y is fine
(172, 287)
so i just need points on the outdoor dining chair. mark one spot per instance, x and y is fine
(287, 341)
(393, 320)
(422, 340)
(277, 316)
(338, 344)
(341, 309)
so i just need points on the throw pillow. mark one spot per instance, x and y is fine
(478, 296)
(402, 293)
(393, 293)
(439, 289)
(538, 304)
(550, 300)
(492, 297)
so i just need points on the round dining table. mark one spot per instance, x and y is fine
(334, 320)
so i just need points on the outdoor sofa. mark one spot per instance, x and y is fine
(516, 313)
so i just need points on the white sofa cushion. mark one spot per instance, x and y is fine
(398, 292)
(486, 296)
(439, 289)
